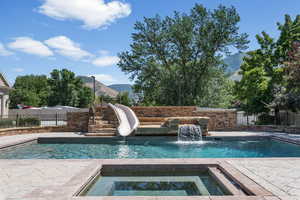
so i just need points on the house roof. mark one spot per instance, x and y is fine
(2, 77)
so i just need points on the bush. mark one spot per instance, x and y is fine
(265, 119)
(6, 123)
(27, 122)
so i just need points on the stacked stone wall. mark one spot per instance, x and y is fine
(219, 119)
(33, 130)
(78, 121)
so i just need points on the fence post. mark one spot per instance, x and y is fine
(17, 120)
(56, 119)
(287, 118)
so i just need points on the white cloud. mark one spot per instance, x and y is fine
(103, 52)
(30, 46)
(106, 61)
(93, 13)
(105, 78)
(4, 51)
(66, 47)
(18, 70)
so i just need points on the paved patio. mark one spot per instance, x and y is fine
(60, 179)
(279, 176)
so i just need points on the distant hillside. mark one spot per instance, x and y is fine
(101, 89)
(123, 88)
(234, 62)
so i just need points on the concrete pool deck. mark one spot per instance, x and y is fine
(60, 179)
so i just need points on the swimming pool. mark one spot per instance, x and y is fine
(154, 148)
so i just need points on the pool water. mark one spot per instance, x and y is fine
(155, 148)
(197, 185)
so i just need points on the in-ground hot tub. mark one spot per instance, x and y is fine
(160, 180)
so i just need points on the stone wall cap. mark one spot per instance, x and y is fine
(30, 128)
(215, 109)
(187, 118)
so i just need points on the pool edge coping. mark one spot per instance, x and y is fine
(258, 191)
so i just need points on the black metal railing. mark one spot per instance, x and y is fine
(283, 119)
(33, 120)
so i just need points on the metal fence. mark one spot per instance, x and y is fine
(285, 119)
(33, 120)
(246, 120)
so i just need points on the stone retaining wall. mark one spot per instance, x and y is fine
(78, 121)
(219, 119)
(31, 130)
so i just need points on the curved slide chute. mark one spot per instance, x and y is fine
(128, 121)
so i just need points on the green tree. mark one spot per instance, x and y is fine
(262, 87)
(68, 90)
(30, 90)
(292, 76)
(177, 60)
(124, 99)
(85, 97)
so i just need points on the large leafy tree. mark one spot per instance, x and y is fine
(30, 90)
(178, 60)
(259, 76)
(263, 86)
(68, 90)
(292, 76)
(62, 88)
(124, 99)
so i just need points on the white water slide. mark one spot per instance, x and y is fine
(128, 121)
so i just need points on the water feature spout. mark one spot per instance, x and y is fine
(189, 133)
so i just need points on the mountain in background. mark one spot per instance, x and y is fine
(123, 88)
(101, 89)
(234, 63)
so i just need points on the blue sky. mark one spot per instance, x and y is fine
(85, 36)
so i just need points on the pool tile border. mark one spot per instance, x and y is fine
(249, 185)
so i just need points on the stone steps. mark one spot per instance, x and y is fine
(102, 130)
(100, 126)
(100, 134)
(152, 119)
(150, 123)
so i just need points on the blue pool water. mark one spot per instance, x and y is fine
(201, 185)
(155, 148)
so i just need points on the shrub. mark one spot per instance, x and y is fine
(265, 119)
(27, 122)
(6, 123)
